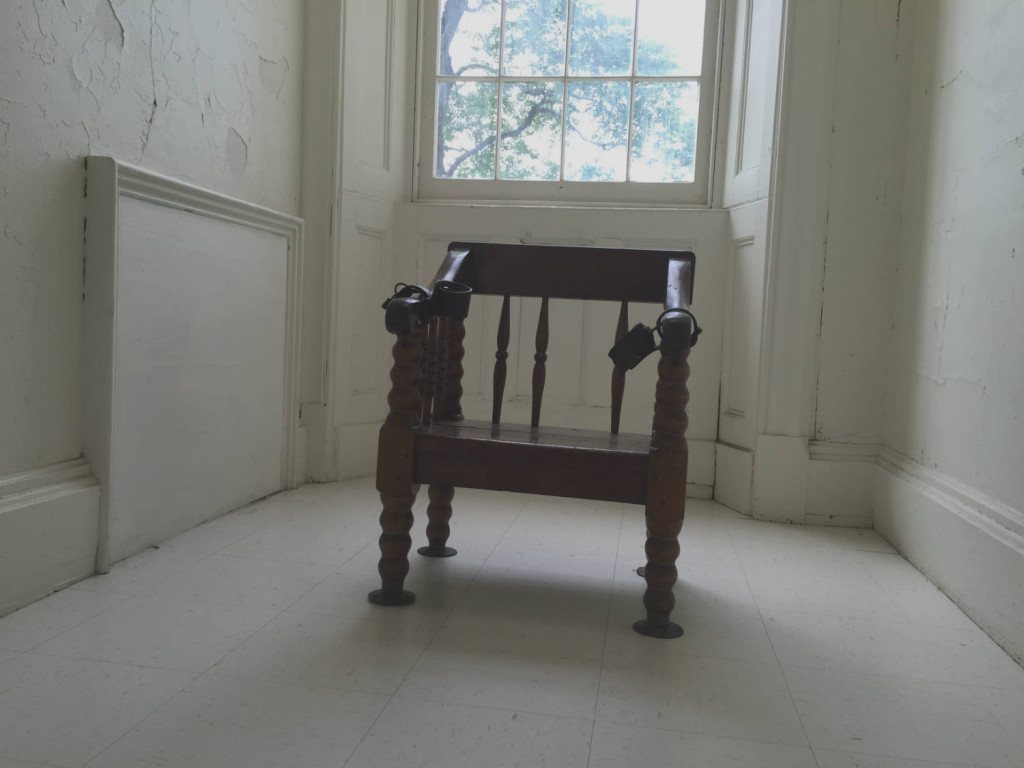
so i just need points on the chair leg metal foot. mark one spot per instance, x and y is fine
(441, 551)
(380, 597)
(666, 631)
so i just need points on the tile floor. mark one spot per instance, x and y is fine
(248, 642)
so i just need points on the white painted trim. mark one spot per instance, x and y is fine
(48, 523)
(967, 543)
(1000, 521)
(323, 130)
(107, 181)
(824, 450)
(142, 184)
(43, 477)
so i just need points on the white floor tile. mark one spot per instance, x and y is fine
(316, 539)
(185, 635)
(426, 734)
(141, 571)
(896, 717)
(829, 759)
(808, 536)
(1006, 706)
(242, 581)
(624, 746)
(23, 630)
(712, 629)
(589, 529)
(316, 649)
(64, 711)
(223, 721)
(826, 596)
(653, 685)
(438, 584)
(521, 603)
(567, 565)
(703, 585)
(548, 673)
(510, 651)
(919, 600)
(703, 541)
(964, 656)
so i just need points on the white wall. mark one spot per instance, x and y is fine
(358, 136)
(208, 92)
(801, 444)
(951, 490)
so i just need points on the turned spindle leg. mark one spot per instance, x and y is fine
(439, 512)
(666, 479)
(395, 541)
(394, 471)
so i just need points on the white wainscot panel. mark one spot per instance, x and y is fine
(190, 349)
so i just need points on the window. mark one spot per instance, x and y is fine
(568, 100)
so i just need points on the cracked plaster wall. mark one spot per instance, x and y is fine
(955, 399)
(869, 114)
(208, 91)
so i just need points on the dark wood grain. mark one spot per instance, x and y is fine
(451, 404)
(539, 359)
(441, 374)
(566, 272)
(425, 439)
(618, 375)
(500, 366)
(395, 452)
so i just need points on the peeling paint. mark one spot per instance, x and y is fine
(143, 81)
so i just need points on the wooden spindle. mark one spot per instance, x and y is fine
(619, 376)
(451, 405)
(500, 366)
(666, 480)
(394, 470)
(428, 368)
(441, 376)
(539, 359)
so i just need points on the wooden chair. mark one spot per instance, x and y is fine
(426, 440)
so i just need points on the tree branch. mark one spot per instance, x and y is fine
(536, 110)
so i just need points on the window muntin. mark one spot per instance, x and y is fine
(584, 91)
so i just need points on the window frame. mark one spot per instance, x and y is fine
(696, 194)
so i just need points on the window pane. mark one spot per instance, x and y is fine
(469, 37)
(670, 37)
(535, 37)
(602, 37)
(595, 144)
(664, 131)
(531, 130)
(467, 116)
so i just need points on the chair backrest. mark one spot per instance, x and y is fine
(567, 272)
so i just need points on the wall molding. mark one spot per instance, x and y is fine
(825, 450)
(1000, 521)
(48, 521)
(109, 180)
(142, 184)
(44, 480)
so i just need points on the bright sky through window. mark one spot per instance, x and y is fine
(568, 90)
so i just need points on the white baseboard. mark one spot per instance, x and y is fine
(970, 545)
(48, 531)
(734, 473)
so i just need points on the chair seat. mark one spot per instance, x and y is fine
(552, 461)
